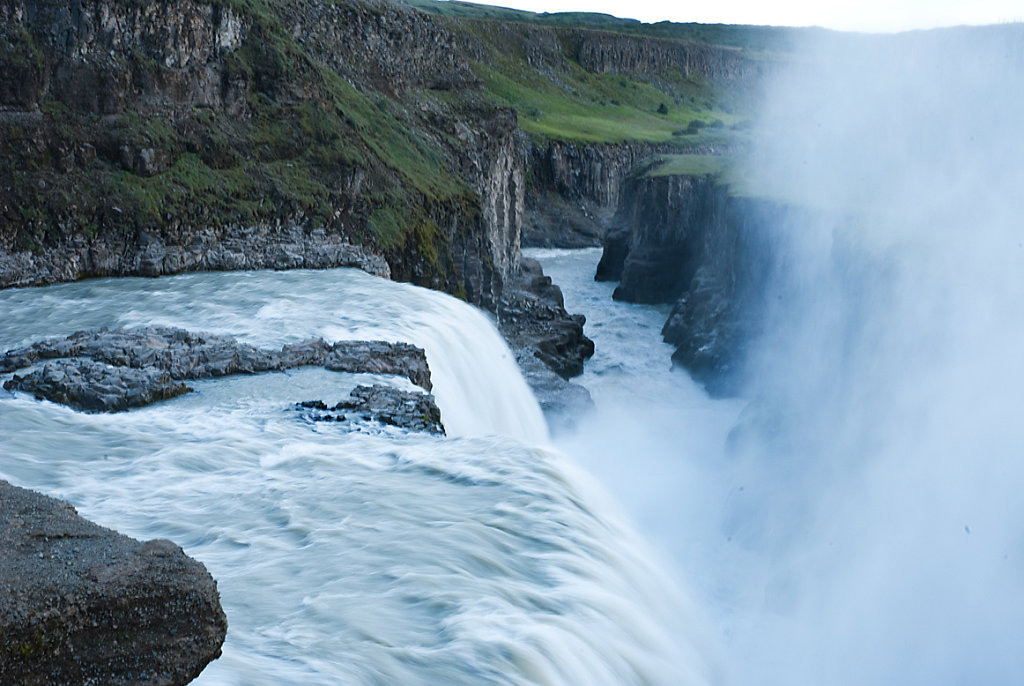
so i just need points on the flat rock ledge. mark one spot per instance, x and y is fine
(382, 404)
(114, 370)
(82, 604)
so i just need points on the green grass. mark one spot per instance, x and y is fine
(689, 165)
(755, 39)
(603, 108)
(726, 169)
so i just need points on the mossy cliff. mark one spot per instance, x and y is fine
(152, 138)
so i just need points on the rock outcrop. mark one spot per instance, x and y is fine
(548, 342)
(533, 317)
(685, 240)
(383, 405)
(114, 370)
(81, 604)
(98, 387)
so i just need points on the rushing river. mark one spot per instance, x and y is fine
(362, 558)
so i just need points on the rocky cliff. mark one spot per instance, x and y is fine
(619, 53)
(685, 240)
(164, 137)
(574, 190)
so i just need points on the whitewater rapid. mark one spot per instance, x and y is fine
(383, 558)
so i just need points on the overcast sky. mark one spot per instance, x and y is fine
(849, 15)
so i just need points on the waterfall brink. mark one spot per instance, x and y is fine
(364, 558)
(476, 380)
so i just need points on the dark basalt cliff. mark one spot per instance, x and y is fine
(164, 137)
(82, 604)
(618, 53)
(686, 241)
(574, 190)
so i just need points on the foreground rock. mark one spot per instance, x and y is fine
(383, 404)
(81, 604)
(532, 316)
(111, 371)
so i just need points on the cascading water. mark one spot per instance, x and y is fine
(388, 558)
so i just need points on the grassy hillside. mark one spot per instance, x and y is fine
(530, 62)
(749, 38)
(317, 135)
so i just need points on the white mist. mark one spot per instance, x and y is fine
(882, 457)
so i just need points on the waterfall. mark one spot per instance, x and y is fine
(483, 557)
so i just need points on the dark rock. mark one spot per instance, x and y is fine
(379, 357)
(563, 402)
(383, 404)
(97, 387)
(574, 189)
(532, 316)
(613, 257)
(668, 221)
(548, 342)
(81, 604)
(685, 240)
(606, 52)
(113, 370)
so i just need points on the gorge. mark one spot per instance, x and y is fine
(824, 229)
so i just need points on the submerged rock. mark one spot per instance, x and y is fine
(114, 370)
(383, 404)
(82, 604)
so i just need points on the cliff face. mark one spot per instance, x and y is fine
(617, 53)
(684, 240)
(94, 54)
(659, 234)
(155, 138)
(575, 190)
(151, 138)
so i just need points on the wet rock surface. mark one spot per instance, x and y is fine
(113, 370)
(532, 316)
(548, 342)
(82, 604)
(382, 404)
(98, 387)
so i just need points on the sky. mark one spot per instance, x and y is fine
(845, 15)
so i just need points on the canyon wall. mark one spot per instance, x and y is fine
(685, 240)
(165, 137)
